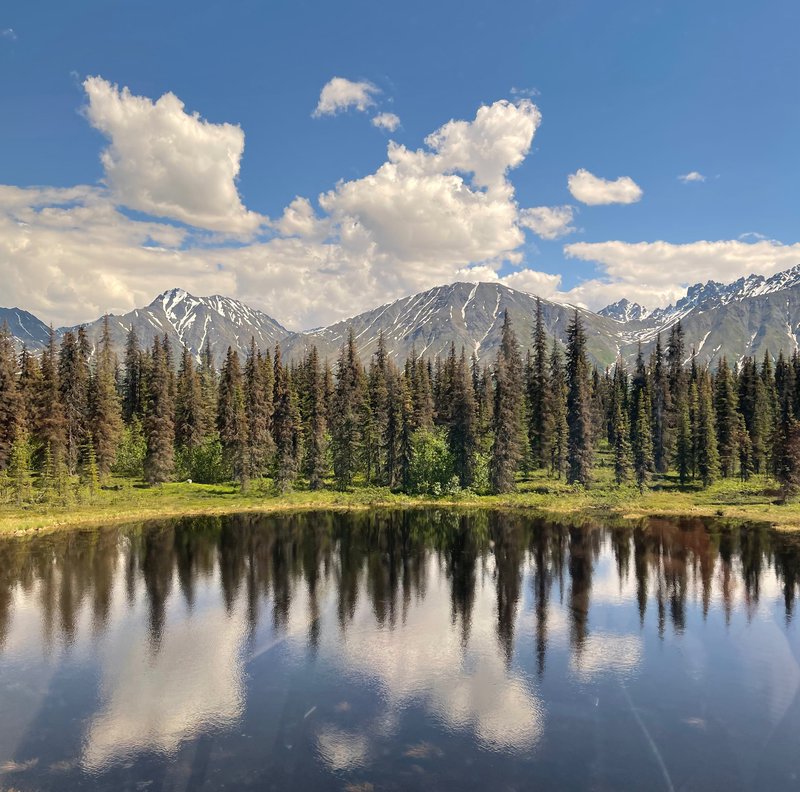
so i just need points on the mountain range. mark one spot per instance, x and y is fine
(750, 316)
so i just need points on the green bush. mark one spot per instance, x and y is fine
(131, 452)
(431, 471)
(205, 464)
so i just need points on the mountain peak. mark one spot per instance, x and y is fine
(624, 311)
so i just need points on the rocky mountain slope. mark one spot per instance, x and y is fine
(750, 316)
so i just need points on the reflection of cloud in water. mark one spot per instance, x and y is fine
(341, 750)
(422, 660)
(153, 702)
(604, 653)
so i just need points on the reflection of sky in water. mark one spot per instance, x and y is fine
(148, 695)
(151, 700)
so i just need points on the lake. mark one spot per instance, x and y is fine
(400, 650)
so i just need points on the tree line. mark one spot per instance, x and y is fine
(73, 415)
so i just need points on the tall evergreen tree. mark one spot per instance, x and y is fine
(707, 454)
(10, 404)
(315, 445)
(660, 410)
(641, 439)
(106, 411)
(190, 419)
(346, 435)
(622, 445)
(727, 419)
(285, 426)
(258, 412)
(159, 421)
(51, 431)
(232, 419)
(508, 412)
(579, 408)
(133, 397)
(73, 374)
(556, 428)
(461, 435)
(537, 382)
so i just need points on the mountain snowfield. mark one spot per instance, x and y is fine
(750, 316)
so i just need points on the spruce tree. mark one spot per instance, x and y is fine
(10, 404)
(190, 420)
(508, 412)
(73, 374)
(641, 439)
(556, 428)
(683, 441)
(258, 409)
(579, 408)
(51, 430)
(159, 421)
(622, 445)
(660, 410)
(28, 388)
(134, 398)
(315, 445)
(537, 382)
(461, 436)
(285, 427)
(727, 419)
(106, 411)
(707, 454)
(346, 434)
(231, 418)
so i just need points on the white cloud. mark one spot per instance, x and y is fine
(692, 176)
(166, 162)
(548, 222)
(541, 284)
(8, 33)
(657, 273)
(340, 94)
(594, 190)
(387, 121)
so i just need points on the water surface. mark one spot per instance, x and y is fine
(399, 650)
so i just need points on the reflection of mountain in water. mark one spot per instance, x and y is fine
(428, 606)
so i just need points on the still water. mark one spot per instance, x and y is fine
(404, 650)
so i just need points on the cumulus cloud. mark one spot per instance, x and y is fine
(387, 121)
(657, 273)
(427, 216)
(340, 94)
(692, 176)
(548, 222)
(594, 190)
(169, 163)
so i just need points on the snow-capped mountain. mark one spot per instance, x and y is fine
(25, 328)
(186, 319)
(751, 316)
(624, 311)
(469, 315)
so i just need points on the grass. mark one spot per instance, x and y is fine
(126, 501)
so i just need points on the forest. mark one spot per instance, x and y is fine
(75, 419)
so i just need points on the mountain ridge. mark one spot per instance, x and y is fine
(748, 316)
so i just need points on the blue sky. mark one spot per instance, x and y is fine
(648, 91)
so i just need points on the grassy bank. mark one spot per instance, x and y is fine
(127, 500)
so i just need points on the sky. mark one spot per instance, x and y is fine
(319, 159)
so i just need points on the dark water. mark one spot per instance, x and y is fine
(420, 650)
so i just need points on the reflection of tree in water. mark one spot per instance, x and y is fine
(264, 562)
(580, 575)
(507, 536)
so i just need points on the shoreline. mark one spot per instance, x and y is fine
(729, 505)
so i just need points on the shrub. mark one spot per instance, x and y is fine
(431, 469)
